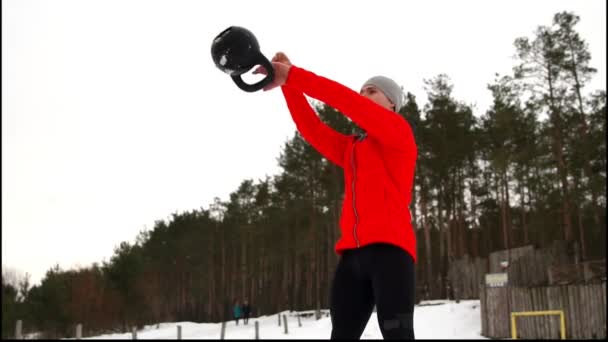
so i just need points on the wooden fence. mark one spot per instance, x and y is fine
(465, 275)
(568, 273)
(584, 306)
(526, 266)
(531, 269)
(510, 255)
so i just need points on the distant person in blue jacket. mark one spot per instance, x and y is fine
(236, 311)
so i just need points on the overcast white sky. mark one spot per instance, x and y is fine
(114, 115)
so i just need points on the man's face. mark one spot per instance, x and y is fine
(377, 96)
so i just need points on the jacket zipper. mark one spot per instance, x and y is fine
(352, 160)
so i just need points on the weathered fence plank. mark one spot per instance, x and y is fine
(78, 331)
(496, 309)
(223, 331)
(585, 312)
(465, 275)
(535, 307)
(583, 305)
(18, 327)
(517, 306)
(553, 304)
(482, 310)
(575, 307)
(285, 324)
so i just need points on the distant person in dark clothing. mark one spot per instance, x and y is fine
(246, 311)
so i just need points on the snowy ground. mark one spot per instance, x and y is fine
(437, 319)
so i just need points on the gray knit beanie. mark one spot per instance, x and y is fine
(390, 89)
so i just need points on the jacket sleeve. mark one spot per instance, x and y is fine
(330, 143)
(386, 126)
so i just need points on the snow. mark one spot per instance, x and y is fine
(437, 319)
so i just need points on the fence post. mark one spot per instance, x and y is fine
(18, 330)
(78, 331)
(285, 323)
(318, 311)
(134, 332)
(179, 332)
(257, 330)
(223, 332)
(299, 322)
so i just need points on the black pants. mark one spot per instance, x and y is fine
(379, 274)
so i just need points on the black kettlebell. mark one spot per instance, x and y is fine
(236, 51)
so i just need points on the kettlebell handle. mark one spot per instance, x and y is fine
(263, 61)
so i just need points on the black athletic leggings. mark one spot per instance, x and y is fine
(379, 274)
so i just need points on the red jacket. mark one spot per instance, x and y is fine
(378, 167)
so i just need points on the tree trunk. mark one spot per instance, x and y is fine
(443, 236)
(223, 267)
(579, 214)
(243, 269)
(475, 227)
(583, 131)
(295, 276)
(442, 248)
(503, 212)
(508, 209)
(462, 231)
(559, 157)
(427, 237)
(522, 191)
(289, 271)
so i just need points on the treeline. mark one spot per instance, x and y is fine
(530, 170)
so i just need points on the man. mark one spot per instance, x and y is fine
(377, 245)
(246, 310)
